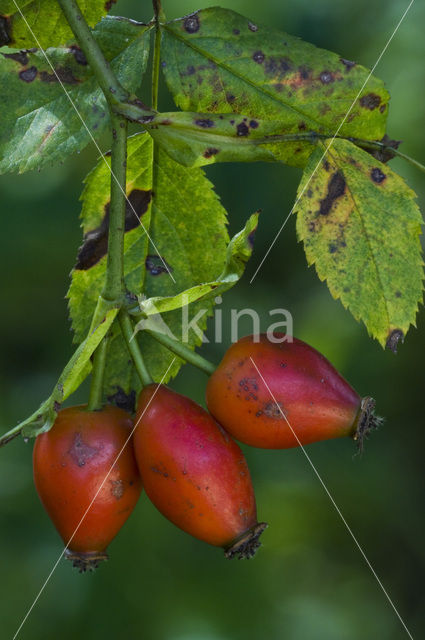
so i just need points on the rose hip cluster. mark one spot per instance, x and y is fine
(89, 469)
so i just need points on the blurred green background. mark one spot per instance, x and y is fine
(309, 581)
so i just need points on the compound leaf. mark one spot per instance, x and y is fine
(360, 226)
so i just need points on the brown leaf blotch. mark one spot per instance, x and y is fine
(95, 245)
(377, 175)
(336, 189)
(191, 24)
(28, 75)
(371, 101)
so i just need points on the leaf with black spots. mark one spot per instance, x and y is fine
(360, 226)
(187, 226)
(219, 61)
(39, 124)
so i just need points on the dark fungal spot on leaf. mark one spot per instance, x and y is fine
(123, 400)
(157, 265)
(191, 24)
(64, 74)
(20, 56)
(377, 175)
(302, 126)
(252, 27)
(336, 189)
(236, 32)
(204, 123)
(335, 246)
(253, 124)
(108, 4)
(4, 30)
(190, 70)
(258, 57)
(28, 75)
(326, 77)
(242, 129)
(95, 244)
(230, 98)
(348, 64)
(382, 108)
(278, 67)
(393, 339)
(56, 406)
(371, 101)
(398, 294)
(211, 151)
(79, 56)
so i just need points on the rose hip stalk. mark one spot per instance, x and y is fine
(194, 473)
(310, 393)
(70, 463)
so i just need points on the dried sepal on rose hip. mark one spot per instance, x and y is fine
(71, 461)
(194, 473)
(304, 390)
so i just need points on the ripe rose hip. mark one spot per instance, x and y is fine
(316, 401)
(194, 473)
(70, 463)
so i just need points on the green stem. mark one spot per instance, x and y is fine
(109, 84)
(157, 52)
(381, 146)
(133, 347)
(114, 285)
(183, 351)
(96, 385)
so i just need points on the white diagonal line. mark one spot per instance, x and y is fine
(90, 505)
(337, 509)
(332, 139)
(93, 139)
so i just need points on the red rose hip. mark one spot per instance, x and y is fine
(308, 393)
(71, 461)
(194, 473)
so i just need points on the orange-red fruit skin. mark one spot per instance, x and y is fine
(317, 402)
(192, 471)
(70, 463)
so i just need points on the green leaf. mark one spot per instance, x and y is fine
(238, 253)
(187, 227)
(72, 376)
(45, 19)
(38, 124)
(218, 61)
(198, 139)
(360, 226)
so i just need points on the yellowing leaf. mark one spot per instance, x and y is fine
(360, 226)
